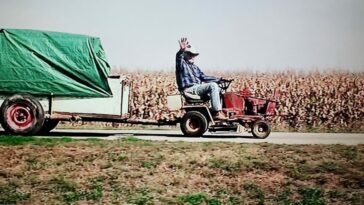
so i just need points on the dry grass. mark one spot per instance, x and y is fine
(132, 171)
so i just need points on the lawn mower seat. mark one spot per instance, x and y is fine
(190, 98)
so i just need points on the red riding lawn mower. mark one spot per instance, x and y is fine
(242, 109)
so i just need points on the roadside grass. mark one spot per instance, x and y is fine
(70, 192)
(255, 192)
(133, 171)
(198, 198)
(10, 193)
(22, 140)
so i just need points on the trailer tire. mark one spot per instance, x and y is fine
(48, 126)
(21, 114)
(194, 124)
(260, 129)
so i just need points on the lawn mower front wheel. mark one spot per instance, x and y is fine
(260, 129)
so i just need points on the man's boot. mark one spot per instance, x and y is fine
(220, 116)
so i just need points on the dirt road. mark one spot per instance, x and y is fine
(171, 135)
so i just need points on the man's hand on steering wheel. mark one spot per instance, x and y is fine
(224, 83)
(222, 80)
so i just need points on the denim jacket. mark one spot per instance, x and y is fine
(189, 74)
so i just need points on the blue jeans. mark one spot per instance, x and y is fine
(212, 89)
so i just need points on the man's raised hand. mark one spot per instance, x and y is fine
(183, 44)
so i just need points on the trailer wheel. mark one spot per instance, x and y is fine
(194, 124)
(261, 129)
(21, 115)
(48, 126)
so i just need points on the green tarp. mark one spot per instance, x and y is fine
(52, 63)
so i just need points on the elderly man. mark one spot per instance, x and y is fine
(192, 80)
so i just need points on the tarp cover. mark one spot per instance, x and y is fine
(52, 63)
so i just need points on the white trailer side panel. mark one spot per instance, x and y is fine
(125, 101)
(116, 105)
(109, 106)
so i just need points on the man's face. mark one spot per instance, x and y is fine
(190, 57)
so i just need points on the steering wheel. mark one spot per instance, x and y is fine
(224, 83)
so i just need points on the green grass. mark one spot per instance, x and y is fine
(133, 171)
(224, 164)
(10, 193)
(72, 193)
(21, 140)
(284, 197)
(198, 198)
(132, 139)
(147, 164)
(312, 196)
(140, 196)
(255, 192)
(350, 153)
(329, 167)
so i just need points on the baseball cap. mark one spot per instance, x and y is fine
(191, 50)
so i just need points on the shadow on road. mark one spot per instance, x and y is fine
(99, 133)
(214, 135)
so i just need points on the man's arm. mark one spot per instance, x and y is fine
(183, 44)
(179, 58)
(205, 78)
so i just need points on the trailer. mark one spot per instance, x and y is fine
(48, 77)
